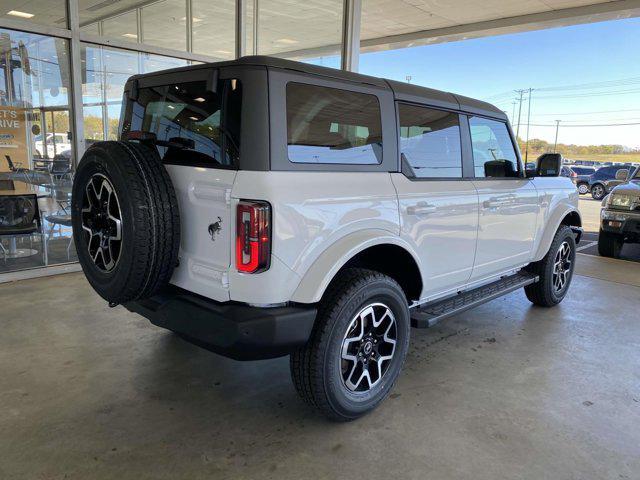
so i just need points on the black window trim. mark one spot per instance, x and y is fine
(521, 169)
(463, 141)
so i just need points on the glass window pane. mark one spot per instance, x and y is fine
(322, 21)
(329, 125)
(51, 12)
(430, 142)
(123, 27)
(36, 152)
(164, 24)
(105, 70)
(213, 28)
(493, 152)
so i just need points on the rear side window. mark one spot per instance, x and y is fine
(330, 125)
(194, 126)
(430, 142)
(493, 152)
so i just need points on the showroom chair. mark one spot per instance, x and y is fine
(20, 217)
(59, 220)
(17, 169)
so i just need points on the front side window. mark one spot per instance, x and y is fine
(334, 126)
(430, 142)
(493, 152)
(192, 125)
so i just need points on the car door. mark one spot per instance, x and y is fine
(438, 205)
(508, 201)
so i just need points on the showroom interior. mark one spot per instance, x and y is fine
(502, 391)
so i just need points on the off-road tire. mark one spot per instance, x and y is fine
(610, 244)
(598, 192)
(543, 292)
(150, 220)
(315, 367)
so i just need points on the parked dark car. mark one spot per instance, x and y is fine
(601, 182)
(581, 177)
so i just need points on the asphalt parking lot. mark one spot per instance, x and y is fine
(590, 211)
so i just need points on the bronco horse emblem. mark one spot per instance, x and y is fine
(214, 229)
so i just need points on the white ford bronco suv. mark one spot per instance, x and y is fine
(262, 207)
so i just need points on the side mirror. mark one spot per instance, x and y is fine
(548, 165)
(622, 175)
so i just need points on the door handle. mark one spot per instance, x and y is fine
(494, 202)
(421, 209)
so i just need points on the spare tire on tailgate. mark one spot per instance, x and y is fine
(126, 222)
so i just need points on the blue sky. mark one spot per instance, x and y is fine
(491, 68)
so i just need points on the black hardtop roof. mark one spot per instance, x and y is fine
(402, 91)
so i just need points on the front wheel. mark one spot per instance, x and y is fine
(609, 244)
(555, 270)
(598, 192)
(357, 347)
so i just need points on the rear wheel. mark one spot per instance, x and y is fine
(583, 188)
(598, 191)
(357, 347)
(555, 270)
(610, 244)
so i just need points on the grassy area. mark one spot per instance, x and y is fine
(598, 157)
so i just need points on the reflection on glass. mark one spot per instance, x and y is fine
(213, 28)
(164, 24)
(36, 154)
(322, 20)
(51, 12)
(123, 27)
(105, 71)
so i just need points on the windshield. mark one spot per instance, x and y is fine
(637, 175)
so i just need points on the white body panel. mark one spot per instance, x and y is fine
(507, 225)
(204, 197)
(439, 218)
(460, 233)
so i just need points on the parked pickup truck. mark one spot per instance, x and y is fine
(263, 207)
(620, 215)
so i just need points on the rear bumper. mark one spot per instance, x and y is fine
(234, 330)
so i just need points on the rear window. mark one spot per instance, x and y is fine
(330, 125)
(202, 127)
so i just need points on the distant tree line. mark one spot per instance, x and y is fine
(540, 146)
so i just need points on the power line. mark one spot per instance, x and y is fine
(590, 113)
(585, 125)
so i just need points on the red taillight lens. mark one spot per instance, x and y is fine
(253, 236)
(574, 174)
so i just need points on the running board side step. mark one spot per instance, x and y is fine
(429, 314)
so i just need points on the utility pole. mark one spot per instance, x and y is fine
(555, 144)
(526, 147)
(521, 92)
(408, 78)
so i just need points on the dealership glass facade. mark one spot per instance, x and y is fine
(63, 66)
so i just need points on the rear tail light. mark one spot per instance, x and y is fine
(574, 174)
(253, 236)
